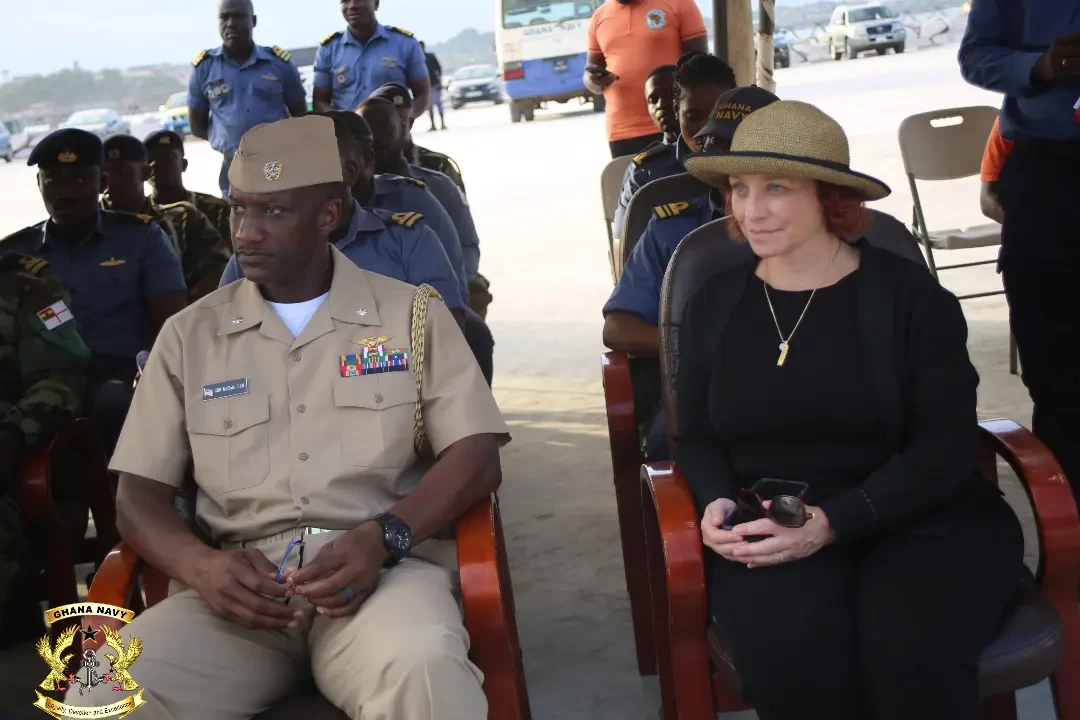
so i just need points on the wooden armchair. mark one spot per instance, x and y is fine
(125, 581)
(56, 534)
(697, 675)
(1041, 638)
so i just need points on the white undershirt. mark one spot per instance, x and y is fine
(297, 315)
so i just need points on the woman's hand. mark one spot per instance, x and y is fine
(719, 541)
(785, 545)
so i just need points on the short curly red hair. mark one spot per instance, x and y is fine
(843, 208)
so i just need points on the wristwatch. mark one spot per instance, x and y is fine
(397, 537)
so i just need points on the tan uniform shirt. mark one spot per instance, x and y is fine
(293, 443)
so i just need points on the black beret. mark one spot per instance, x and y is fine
(396, 93)
(69, 147)
(732, 106)
(351, 123)
(124, 147)
(166, 138)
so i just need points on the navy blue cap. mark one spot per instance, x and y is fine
(69, 147)
(164, 138)
(396, 93)
(732, 106)
(124, 147)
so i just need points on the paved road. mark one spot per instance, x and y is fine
(535, 196)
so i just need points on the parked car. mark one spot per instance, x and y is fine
(6, 150)
(476, 83)
(102, 122)
(854, 29)
(175, 114)
(21, 136)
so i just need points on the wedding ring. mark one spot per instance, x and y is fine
(349, 595)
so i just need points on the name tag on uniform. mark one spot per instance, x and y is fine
(225, 389)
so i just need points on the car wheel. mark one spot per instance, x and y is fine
(456, 106)
(9, 157)
(899, 48)
(881, 51)
(499, 100)
(836, 54)
(850, 51)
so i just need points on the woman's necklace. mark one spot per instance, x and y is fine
(785, 342)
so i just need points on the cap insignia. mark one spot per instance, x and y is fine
(272, 171)
(67, 157)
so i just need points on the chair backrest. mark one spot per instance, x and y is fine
(709, 251)
(946, 144)
(661, 191)
(611, 184)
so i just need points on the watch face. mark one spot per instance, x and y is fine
(400, 539)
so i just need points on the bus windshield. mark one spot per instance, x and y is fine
(520, 13)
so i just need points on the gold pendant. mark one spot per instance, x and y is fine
(783, 354)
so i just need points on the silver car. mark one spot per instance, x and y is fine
(102, 122)
(854, 29)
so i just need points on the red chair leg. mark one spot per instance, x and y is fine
(626, 461)
(1000, 707)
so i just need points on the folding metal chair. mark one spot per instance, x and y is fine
(948, 144)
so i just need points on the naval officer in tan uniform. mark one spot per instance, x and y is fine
(305, 459)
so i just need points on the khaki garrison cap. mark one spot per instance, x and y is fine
(287, 154)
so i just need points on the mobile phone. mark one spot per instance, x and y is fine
(741, 514)
(597, 70)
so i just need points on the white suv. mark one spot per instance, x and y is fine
(858, 28)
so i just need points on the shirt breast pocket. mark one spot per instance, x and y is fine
(388, 73)
(376, 418)
(116, 285)
(270, 91)
(230, 442)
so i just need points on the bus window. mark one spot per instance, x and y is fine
(519, 13)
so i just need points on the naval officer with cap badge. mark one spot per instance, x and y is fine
(303, 450)
(122, 275)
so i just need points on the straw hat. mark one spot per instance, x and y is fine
(787, 139)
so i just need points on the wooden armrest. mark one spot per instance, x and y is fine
(35, 479)
(621, 413)
(1056, 518)
(488, 600)
(677, 573)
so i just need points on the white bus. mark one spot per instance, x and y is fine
(541, 47)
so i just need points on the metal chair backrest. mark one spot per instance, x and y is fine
(709, 251)
(946, 144)
(675, 188)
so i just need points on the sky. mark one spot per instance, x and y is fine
(42, 37)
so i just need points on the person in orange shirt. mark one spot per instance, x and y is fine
(627, 39)
(997, 150)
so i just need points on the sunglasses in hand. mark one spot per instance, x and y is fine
(787, 505)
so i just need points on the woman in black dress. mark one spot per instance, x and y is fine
(844, 367)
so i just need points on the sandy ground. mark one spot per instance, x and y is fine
(535, 197)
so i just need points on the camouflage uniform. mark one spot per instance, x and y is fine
(195, 240)
(436, 161)
(43, 364)
(217, 211)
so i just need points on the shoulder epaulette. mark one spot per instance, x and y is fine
(25, 263)
(330, 37)
(671, 209)
(407, 219)
(415, 181)
(404, 32)
(283, 54)
(127, 217)
(198, 58)
(650, 152)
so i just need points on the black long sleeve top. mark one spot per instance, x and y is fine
(875, 405)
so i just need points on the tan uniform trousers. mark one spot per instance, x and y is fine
(403, 656)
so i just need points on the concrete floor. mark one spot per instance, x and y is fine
(535, 198)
